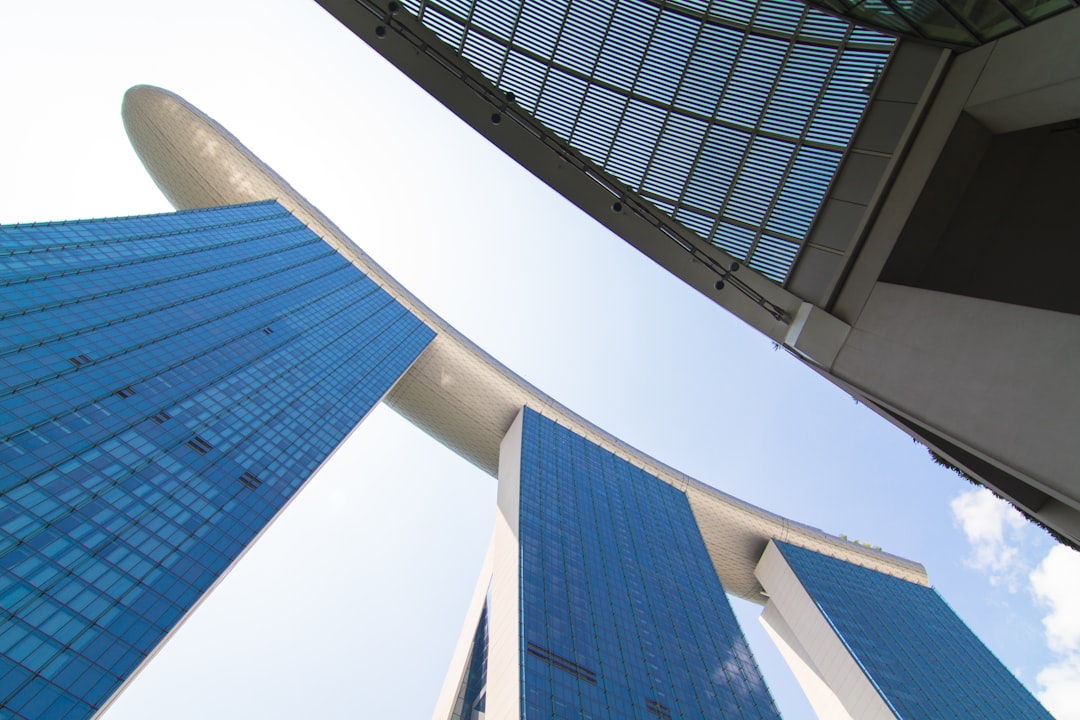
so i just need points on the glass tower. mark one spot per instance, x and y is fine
(620, 612)
(885, 646)
(167, 383)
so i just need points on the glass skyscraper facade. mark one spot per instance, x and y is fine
(918, 655)
(167, 383)
(622, 614)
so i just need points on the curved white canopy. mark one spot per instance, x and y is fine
(455, 391)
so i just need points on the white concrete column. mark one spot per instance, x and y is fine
(504, 612)
(831, 678)
(1028, 78)
(459, 664)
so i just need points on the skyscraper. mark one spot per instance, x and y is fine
(855, 197)
(169, 382)
(602, 600)
(869, 645)
(618, 609)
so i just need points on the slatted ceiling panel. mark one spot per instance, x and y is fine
(663, 181)
(539, 26)
(681, 141)
(773, 256)
(716, 167)
(486, 55)
(712, 59)
(675, 39)
(632, 148)
(807, 180)
(751, 81)
(702, 107)
(758, 179)
(445, 26)
(824, 27)
(598, 122)
(460, 7)
(699, 223)
(624, 46)
(641, 124)
(524, 77)
(782, 17)
(497, 18)
(739, 239)
(593, 140)
(562, 98)
(579, 48)
(737, 10)
(663, 205)
(798, 88)
(855, 73)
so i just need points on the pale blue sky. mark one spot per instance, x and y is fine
(351, 604)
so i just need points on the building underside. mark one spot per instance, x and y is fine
(895, 213)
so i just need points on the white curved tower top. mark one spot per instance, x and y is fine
(455, 391)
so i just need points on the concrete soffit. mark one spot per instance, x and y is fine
(1042, 504)
(856, 200)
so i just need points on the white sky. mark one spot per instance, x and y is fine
(351, 604)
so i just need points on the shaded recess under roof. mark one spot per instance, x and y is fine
(997, 219)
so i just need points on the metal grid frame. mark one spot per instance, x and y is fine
(731, 118)
(952, 23)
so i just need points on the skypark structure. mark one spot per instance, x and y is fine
(892, 210)
(171, 381)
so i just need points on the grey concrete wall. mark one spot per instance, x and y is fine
(1000, 380)
(1030, 78)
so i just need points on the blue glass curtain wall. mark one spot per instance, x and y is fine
(623, 615)
(167, 383)
(923, 660)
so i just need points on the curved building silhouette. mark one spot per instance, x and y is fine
(171, 381)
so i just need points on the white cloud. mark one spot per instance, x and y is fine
(1056, 584)
(995, 531)
(992, 526)
(1059, 688)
